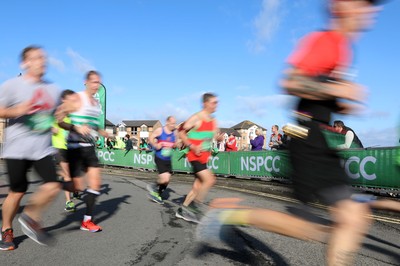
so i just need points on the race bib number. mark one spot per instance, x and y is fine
(40, 123)
(166, 152)
(206, 145)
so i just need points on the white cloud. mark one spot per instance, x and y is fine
(117, 90)
(56, 63)
(386, 137)
(80, 63)
(265, 25)
(377, 114)
(262, 105)
(189, 100)
(117, 113)
(227, 123)
(162, 112)
(181, 109)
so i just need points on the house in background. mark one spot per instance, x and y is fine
(141, 129)
(110, 127)
(138, 129)
(247, 129)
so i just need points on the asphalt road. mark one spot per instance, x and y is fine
(137, 231)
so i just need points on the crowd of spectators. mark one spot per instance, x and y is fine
(278, 140)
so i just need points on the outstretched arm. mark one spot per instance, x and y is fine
(296, 83)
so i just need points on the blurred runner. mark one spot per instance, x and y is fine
(28, 102)
(197, 133)
(163, 140)
(59, 141)
(84, 111)
(316, 78)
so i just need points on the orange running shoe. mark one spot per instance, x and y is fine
(90, 226)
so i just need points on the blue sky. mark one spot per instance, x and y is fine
(158, 57)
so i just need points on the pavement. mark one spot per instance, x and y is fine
(137, 231)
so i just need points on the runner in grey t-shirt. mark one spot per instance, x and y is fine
(28, 102)
(29, 136)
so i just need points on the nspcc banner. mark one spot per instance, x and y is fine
(374, 167)
(100, 96)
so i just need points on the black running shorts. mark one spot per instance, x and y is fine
(61, 156)
(317, 172)
(81, 158)
(18, 169)
(198, 166)
(163, 166)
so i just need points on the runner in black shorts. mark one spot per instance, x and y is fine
(84, 112)
(163, 139)
(317, 173)
(198, 133)
(163, 166)
(59, 141)
(198, 167)
(28, 102)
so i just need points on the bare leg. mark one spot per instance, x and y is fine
(390, 205)
(65, 175)
(285, 224)
(192, 193)
(164, 178)
(271, 221)
(352, 224)
(41, 199)
(10, 208)
(94, 178)
(208, 180)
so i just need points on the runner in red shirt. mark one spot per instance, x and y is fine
(315, 77)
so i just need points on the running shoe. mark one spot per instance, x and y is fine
(155, 196)
(75, 195)
(187, 215)
(33, 230)
(151, 188)
(90, 226)
(196, 208)
(7, 240)
(69, 206)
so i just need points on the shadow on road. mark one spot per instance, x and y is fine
(103, 211)
(243, 248)
(395, 255)
(307, 213)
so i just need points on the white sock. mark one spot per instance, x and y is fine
(87, 218)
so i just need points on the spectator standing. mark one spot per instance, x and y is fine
(257, 143)
(231, 144)
(110, 144)
(276, 138)
(351, 138)
(285, 142)
(144, 146)
(128, 144)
